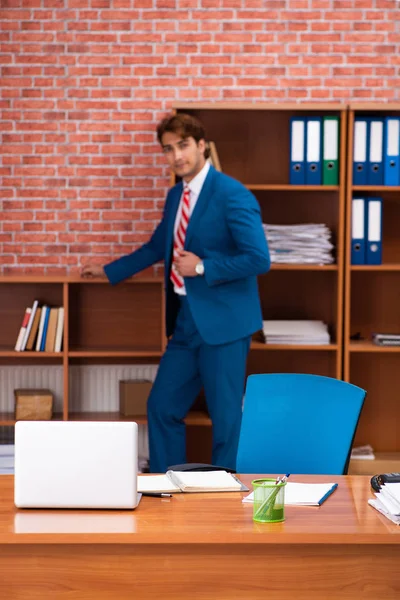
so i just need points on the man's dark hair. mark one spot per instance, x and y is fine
(185, 126)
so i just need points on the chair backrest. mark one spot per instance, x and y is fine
(298, 423)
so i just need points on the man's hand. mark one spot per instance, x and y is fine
(90, 271)
(185, 263)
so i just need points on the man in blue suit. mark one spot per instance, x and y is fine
(213, 246)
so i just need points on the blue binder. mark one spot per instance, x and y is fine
(360, 151)
(392, 151)
(314, 151)
(358, 229)
(297, 150)
(375, 152)
(374, 232)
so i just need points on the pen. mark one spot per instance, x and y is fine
(157, 495)
(282, 479)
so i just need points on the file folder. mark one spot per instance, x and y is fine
(360, 151)
(392, 151)
(330, 136)
(375, 156)
(374, 231)
(297, 150)
(313, 151)
(358, 216)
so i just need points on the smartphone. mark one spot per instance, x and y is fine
(378, 480)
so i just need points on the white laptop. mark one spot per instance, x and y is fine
(67, 464)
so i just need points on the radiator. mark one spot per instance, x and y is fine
(93, 388)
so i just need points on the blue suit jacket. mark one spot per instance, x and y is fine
(225, 231)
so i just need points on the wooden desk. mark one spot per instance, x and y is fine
(205, 544)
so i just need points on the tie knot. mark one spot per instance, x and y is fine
(186, 188)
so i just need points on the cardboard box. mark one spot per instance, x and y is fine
(33, 404)
(133, 395)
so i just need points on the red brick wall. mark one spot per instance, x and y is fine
(83, 83)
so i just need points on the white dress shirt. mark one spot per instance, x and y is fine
(195, 186)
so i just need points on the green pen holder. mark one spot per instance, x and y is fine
(269, 501)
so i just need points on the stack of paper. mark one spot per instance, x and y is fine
(307, 243)
(303, 494)
(363, 452)
(387, 502)
(386, 339)
(296, 332)
(6, 459)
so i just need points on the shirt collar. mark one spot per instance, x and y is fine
(197, 182)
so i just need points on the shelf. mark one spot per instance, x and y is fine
(314, 347)
(292, 188)
(8, 420)
(40, 279)
(375, 188)
(375, 106)
(29, 354)
(274, 106)
(384, 462)
(302, 267)
(114, 353)
(193, 418)
(384, 267)
(367, 346)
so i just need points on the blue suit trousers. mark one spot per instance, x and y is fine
(187, 365)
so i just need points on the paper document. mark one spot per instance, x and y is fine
(303, 494)
(156, 483)
(305, 243)
(190, 481)
(295, 332)
(387, 501)
(363, 452)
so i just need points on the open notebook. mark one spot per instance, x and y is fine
(190, 481)
(304, 494)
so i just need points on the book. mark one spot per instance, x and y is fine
(29, 326)
(41, 326)
(51, 330)
(190, 481)
(59, 330)
(34, 329)
(22, 331)
(46, 312)
(303, 494)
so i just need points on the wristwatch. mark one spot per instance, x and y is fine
(199, 268)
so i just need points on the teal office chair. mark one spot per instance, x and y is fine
(298, 423)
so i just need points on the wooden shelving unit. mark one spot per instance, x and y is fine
(102, 324)
(372, 297)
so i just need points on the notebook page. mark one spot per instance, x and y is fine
(192, 481)
(383, 510)
(156, 483)
(387, 501)
(302, 494)
(391, 492)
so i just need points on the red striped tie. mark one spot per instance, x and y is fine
(179, 240)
